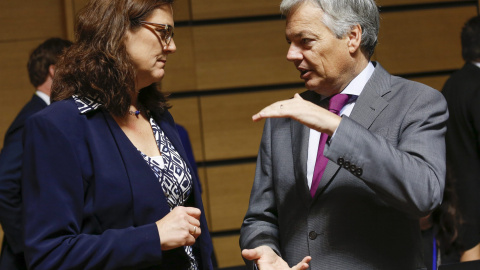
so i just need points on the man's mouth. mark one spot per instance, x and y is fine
(304, 73)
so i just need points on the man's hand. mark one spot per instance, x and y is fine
(305, 112)
(267, 259)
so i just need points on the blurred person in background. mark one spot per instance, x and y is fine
(41, 69)
(462, 92)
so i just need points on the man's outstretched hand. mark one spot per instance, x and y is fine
(267, 259)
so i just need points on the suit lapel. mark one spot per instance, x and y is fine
(300, 136)
(300, 139)
(367, 108)
(142, 179)
(371, 101)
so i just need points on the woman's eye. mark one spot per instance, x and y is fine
(162, 32)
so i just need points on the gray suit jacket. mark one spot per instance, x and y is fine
(386, 170)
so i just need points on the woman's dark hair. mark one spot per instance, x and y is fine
(98, 65)
(447, 218)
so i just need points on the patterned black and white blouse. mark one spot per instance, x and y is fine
(170, 168)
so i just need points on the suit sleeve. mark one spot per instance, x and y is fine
(409, 176)
(474, 110)
(53, 195)
(10, 194)
(260, 226)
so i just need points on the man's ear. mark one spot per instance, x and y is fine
(51, 70)
(354, 38)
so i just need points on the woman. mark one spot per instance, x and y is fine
(106, 181)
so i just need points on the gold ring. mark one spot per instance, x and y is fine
(194, 230)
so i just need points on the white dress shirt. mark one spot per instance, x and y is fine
(43, 96)
(354, 88)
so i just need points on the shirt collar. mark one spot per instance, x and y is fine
(355, 87)
(85, 104)
(43, 96)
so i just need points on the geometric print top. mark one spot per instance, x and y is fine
(173, 174)
(170, 169)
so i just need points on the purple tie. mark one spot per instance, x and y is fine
(336, 103)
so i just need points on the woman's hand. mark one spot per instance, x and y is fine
(179, 228)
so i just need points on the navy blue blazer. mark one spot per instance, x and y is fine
(90, 199)
(10, 196)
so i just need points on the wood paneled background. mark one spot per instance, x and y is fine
(230, 63)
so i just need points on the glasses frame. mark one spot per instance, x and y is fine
(160, 26)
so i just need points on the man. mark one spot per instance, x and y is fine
(41, 67)
(385, 156)
(462, 92)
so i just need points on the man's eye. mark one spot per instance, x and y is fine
(306, 41)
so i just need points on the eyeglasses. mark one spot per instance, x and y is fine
(164, 30)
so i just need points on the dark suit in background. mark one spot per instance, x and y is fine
(41, 68)
(10, 197)
(462, 92)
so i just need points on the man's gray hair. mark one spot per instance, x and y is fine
(341, 15)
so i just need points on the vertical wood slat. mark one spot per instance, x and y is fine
(69, 18)
(34, 20)
(410, 2)
(215, 9)
(422, 40)
(227, 251)
(228, 129)
(228, 192)
(185, 112)
(242, 54)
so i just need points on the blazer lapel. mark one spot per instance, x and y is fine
(142, 179)
(300, 139)
(300, 136)
(368, 107)
(371, 101)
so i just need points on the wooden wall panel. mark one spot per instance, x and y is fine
(31, 20)
(229, 131)
(229, 191)
(242, 54)
(214, 9)
(422, 40)
(410, 2)
(185, 111)
(15, 87)
(181, 10)
(436, 82)
(180, 74)
(227, 251)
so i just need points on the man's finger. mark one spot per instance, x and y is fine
(251, 254)
(303, 265)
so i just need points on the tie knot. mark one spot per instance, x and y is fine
(337, 102)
